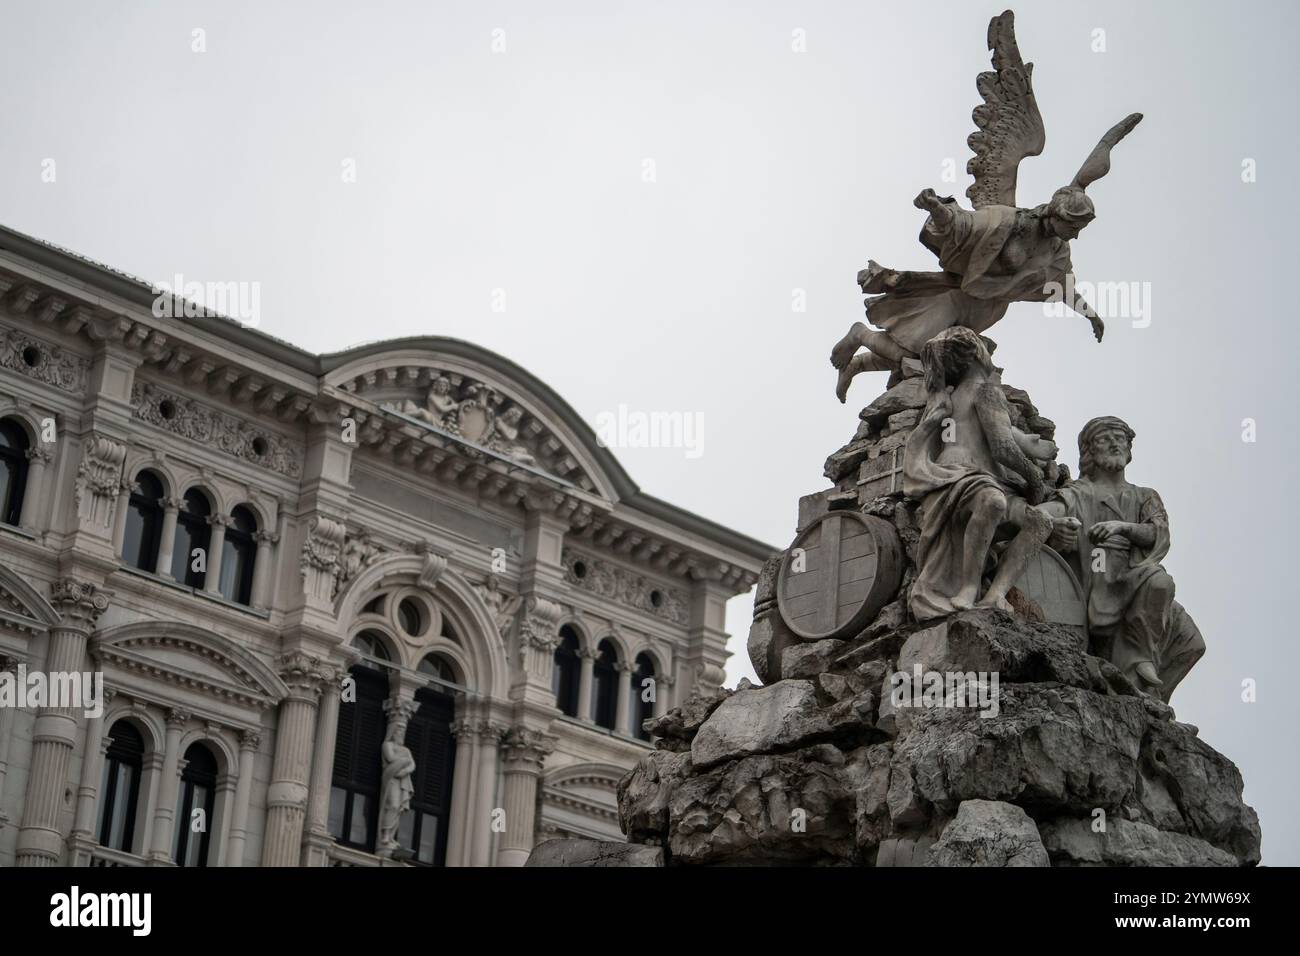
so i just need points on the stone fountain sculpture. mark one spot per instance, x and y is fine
(967, 656)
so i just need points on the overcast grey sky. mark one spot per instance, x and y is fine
(524, 170)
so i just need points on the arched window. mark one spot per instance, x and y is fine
(372, 644)
(13, 470)
(354, 795)
(237, 556)
(144, 517)
(192, 531)
(194, 808)
(435, 665)
(119, 790)
(566, 672)
(604, 687)
(642, 709)
(423, 828)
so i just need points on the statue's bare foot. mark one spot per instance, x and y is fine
(842, 382)
(964, 599)
(875, 278)
(998, 601)
(845, 347)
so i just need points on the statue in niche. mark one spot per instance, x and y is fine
(1133, 618)
(979, 480)
(994, 254)
(396, 785)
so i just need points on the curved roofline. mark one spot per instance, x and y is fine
(141, 293)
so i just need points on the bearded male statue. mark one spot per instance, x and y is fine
(1133, 618)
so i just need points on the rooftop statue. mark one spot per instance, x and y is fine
(994, 254)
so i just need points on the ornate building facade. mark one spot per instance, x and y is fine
(389, 606)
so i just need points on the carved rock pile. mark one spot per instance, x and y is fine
(1071, 768)
(1038, 754)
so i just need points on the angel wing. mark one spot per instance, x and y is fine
(1010, 126)
(1098, 162)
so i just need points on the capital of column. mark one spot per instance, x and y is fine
(177, 718)
(266, 537)
(305, 674)
(218, 520)
(38, 455)
(526, 749)
(79, 603)
(171, 505)
(250, 740)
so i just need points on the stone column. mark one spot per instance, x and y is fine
(286, 800)
(622, 715)
(119, 517)
(167, 538)
(322, 773)
(249, 741)
(485, 782)
(92, 769)
(588, 658)
(461, 776)
(164, 813)
(663, 689)
(523, 753)
(262, 568)
(55, 734)
(34, 496)
(216, 546)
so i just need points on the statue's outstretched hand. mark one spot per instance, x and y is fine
(1098, 326)
(926, 199)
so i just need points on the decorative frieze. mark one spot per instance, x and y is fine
(208, 426)
(43, 362)
(627, 587)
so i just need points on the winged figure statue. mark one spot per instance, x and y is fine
(993, 254)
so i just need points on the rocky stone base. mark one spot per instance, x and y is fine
(594, 853)
(1025, 751)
